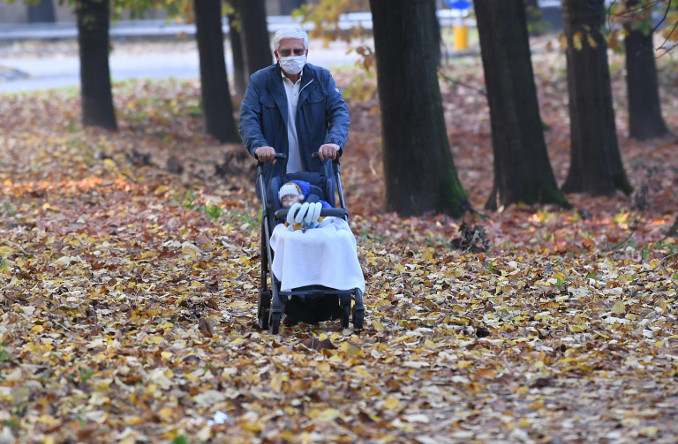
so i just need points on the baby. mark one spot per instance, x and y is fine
(291, 193)
(302, 215)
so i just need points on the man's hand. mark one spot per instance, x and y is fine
(328, 151)
(265, 154)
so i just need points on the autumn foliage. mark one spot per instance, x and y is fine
(129, 272)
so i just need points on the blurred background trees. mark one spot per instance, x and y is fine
(407, 46)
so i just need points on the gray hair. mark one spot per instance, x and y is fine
(289, 32)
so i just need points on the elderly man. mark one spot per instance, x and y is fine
(295, 108)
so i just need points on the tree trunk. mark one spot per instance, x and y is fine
(216, 98)
(596, 166)
(41, 12)
(522, 172)
(419, 169)
(645, 115)
(257, 49)
(95, 75)
(239, 80)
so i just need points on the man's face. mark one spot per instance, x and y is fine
(290, 47)
(290, 199)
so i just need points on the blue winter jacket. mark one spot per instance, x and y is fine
(322, 117)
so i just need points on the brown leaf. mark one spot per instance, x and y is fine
(206, 327)
(314, 343)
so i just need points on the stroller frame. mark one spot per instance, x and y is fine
(272, 301)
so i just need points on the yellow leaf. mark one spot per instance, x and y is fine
(324, 367)
(592, 42)
(428, 255)
(584, 367)
(277, 381)
(391, 403)
(377, 325)
(147, 254)
(350, 349)
(619, 307)
(650, 430)
(563, 41)
(49, 420)
(236, 341)
(5, 251)
(154, 339)
(49, 207)
(37, 329)
(577, 41)
(330, 414)
(522, 390)
(255, 428)
(162, 189)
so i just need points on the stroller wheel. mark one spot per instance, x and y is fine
(358, 319)
(274, 323)
(358, 310)
(345, 314)
(263, 308)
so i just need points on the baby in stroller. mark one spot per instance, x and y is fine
(312, 253)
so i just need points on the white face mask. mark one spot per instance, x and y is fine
(293, 64)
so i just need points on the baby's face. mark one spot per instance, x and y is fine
(290, 199)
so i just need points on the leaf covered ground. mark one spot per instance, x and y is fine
(129, 266)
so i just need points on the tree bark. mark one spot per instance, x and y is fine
(239, 80)
(257, 49)
(216, 98)
(522, 172)
(419, 170)
(645, 115)
(95, 75)
(596, 166)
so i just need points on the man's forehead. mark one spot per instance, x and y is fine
(291, 43)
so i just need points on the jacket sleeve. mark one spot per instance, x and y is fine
(338, 120)
(250, 125)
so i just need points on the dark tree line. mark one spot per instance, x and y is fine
(418, 165)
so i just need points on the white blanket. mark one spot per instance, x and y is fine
(326, 255)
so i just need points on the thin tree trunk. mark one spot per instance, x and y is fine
(522, 172)
(257, 49)
(645, 115)
(239, 80)
(418, 166)
(95, 75)
(216, 98)
(596, 166)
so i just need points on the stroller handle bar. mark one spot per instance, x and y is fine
(336, 160)
(325, 212)
(314, 155)
(277, 156)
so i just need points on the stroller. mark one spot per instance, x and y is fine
(312, 303)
